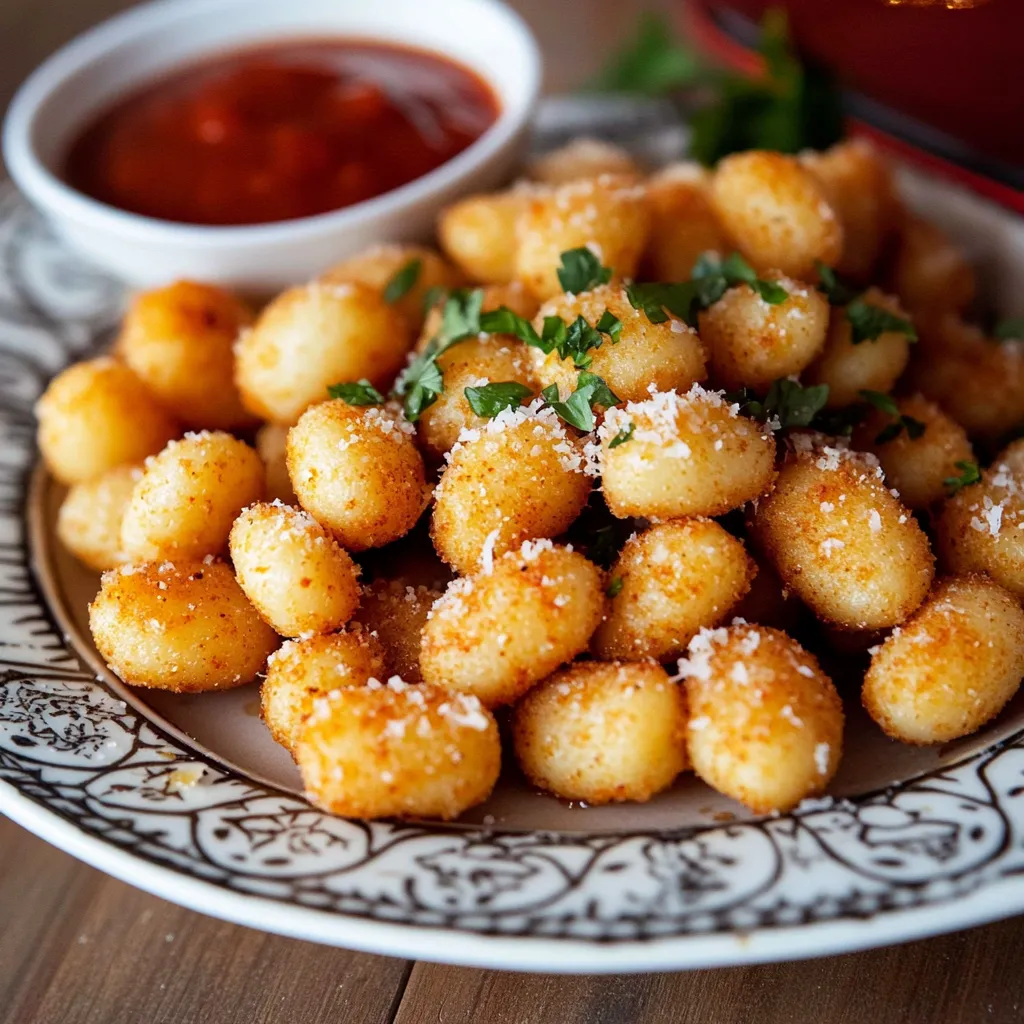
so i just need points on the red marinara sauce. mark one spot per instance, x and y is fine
(283, 131)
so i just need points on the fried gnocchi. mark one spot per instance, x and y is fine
(602, 732)
(753, 343)
(180, 340)
(96, 415)
(300, 671)
(357, 470)
(952, 667)
(766, 724)
(378, 265)
(678, 455)
(313, 336)
(188, 497)
(668, 356)
(610, 215)
(776, 212)
(294, 572)
(398, 751)
(501, 631)
(185, 627)
(396, 611)
(842, 542)
(478, 234)
(519, 477)
(980, 527)
(669, 582)
(582, 158)
(89, 520)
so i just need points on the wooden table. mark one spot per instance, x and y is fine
(77, 947)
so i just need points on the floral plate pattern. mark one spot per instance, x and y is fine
(89, 773)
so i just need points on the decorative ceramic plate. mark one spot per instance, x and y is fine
(188, 797)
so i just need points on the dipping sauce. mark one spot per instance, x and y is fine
(283, 131)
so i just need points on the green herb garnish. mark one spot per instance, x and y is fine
(610, 324)
(714, 277)
(550, 393)
(969, 474)
(489, 399)
(652, 62)
(362, 392)
(787, 404)
(1010, 328)
(581, 270)
(887, 404)
(622, 436)
(615, 587)
(403, 281)
(577, 409)
(869, 322)
(838, 292)
(654, 298)
(432, 295)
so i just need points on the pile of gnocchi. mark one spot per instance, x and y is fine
(619, 468)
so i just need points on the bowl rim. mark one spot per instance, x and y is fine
(46, 189)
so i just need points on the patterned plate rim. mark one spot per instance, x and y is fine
(82, 769)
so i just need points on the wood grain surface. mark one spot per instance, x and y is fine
(77, 947)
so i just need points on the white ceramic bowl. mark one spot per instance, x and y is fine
(108, 61)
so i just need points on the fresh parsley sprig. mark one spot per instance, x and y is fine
(490, 399)
(715, 276)
(869, 322)
(837, 291)
(403, 281)
(653, 298)
(360, 392)
(622, 436)
(581, 270)
(786, 404)
(887, 404)
(969, 474)
(577, 410)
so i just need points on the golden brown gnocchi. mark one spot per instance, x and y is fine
(498, 633)
(752, 343)
(478, 234)
(358, 471)
(313, 336)
(180, 340)
(582, 158)
(96, 415)
(678, 455)
(668, 356)
(766, 724)
(295, 573)
(89, 520)
(953, 666)
(602, 732)
(519, 477)
(188, 497)
(398, 751)
(300, 671)
(668, 583)
(776, 213)
(185, 627)
(610, 215)
(842, 542)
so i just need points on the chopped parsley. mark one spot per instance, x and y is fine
(489, 399)
(838, 292)
(654, 298)
(420, 383)
(550, 393)
(571, 341)
(615, 587)
(577, 409)
(362, 392)
(869, 322)
(432, 296)
(969, 474)
(1010, 328)
(403, 281)
(581, 271)
(787, 403)
(887, 404)
(609, 324)
(715, 276)
(622, 436)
